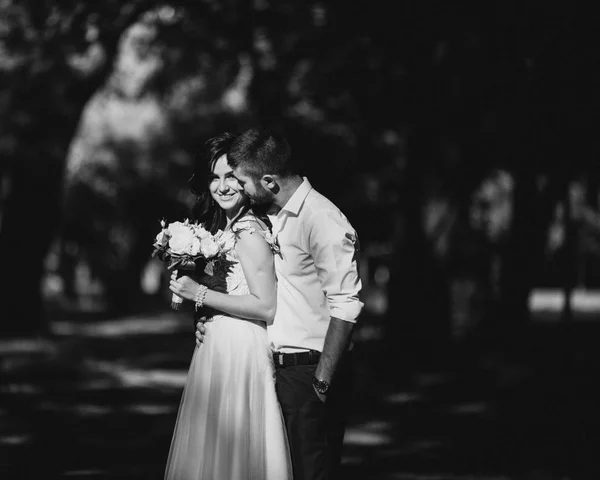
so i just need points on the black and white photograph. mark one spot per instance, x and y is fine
(299, 240)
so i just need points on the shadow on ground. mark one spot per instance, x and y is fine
(99, 399)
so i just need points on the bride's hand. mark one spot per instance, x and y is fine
(184, 286)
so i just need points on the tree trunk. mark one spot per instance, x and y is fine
(47, 99)
(29, 223)
(32, 208)
(522, 259)
(419, 290)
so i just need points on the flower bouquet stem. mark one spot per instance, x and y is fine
(176, 302)
(181, 266)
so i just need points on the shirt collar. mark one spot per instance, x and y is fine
(294, 204)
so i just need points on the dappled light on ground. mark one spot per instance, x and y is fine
(136, 377)
(24, 346)
(83, 473)
(551, 303)
(112, 387)
(129, 326)
(369, 433)
(14, 440)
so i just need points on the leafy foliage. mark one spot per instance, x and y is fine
(401, 112)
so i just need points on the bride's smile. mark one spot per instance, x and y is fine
(225, 188)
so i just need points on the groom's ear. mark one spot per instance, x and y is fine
(269, 181)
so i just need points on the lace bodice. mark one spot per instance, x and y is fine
(236, 281)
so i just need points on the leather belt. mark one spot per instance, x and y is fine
(310, 357)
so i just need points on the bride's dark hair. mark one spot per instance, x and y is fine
(205, 210)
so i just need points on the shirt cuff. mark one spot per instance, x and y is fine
(348, 312)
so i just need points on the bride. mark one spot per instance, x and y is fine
(229, 425)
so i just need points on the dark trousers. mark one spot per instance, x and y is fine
(315, 429)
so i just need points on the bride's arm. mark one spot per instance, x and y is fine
(257, 263)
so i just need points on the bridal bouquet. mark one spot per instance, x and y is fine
(187, 246)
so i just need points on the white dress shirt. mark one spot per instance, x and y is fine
(317, 271)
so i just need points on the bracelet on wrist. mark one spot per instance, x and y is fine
(200, 296)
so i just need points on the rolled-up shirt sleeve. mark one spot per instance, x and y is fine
(334, 246)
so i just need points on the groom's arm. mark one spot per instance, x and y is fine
(334, 247)
(337, 341)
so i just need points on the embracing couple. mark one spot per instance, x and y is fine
(269, 384)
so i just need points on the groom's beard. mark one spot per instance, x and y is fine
(262, 196)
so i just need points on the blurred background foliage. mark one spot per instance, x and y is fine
(457, 137)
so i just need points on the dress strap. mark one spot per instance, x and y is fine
(246, 223)
(249, 223)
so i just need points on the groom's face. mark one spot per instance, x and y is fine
(254, 189)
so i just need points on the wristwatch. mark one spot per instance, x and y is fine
(321, 386)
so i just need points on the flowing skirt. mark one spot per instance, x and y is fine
(229, 425)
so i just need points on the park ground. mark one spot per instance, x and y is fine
(98, 398)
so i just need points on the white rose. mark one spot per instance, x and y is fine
(209, 247)
(201, 232)
(181, 238)
(194, 247)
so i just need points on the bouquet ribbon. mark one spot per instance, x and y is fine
(185, 265)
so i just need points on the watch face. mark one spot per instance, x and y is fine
(320, 385)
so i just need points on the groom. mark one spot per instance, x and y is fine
(317, 301)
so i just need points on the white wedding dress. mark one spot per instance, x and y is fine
(229, 425)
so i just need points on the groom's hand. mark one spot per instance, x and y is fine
(200, 331)
(320, 396)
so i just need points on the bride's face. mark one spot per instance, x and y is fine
(224, 187)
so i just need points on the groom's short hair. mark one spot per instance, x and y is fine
(261, 151)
